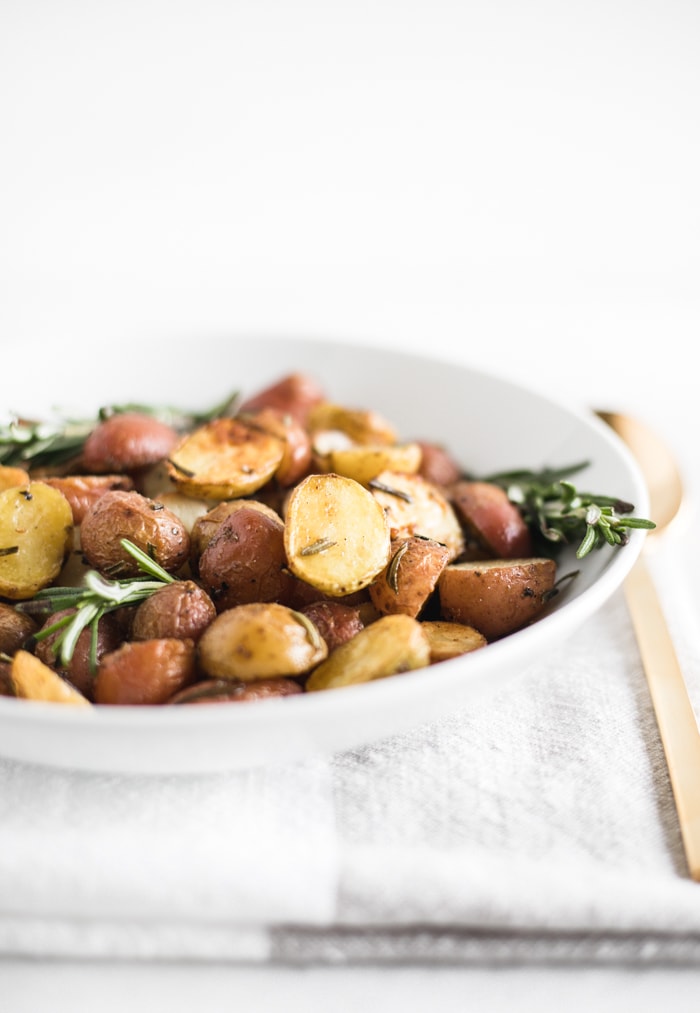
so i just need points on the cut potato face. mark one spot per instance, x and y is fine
(414, 506)
(496, 596)
(451, 640)
(33, 680)
(36, 536)
(225, 459)
(336, 534)
(391, 645)
(360, 425)
(363, 463)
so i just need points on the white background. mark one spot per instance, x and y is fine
(515, 184)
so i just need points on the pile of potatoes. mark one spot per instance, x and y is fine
(312, 548)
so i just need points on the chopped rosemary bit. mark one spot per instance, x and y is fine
(11, 550)
(318, 546)
(558, 513)
(392, 573)
(381, 487)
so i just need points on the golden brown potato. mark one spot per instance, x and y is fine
(80, 671)
(415, 507)
(335, 622)
(145, 522)
(180, 610)
(296, 458)
(145, 672)
(391, 645)
(336, 534)
(359, 424)
(225, 459)
(33, 680)
(15, 629)
(36, 536)
(245, 561)
(127, 442)
(11, 477)
(489, 516)
(410, 577)
(82, 491)
(451, 640)
(365, 462)
(260, 641)
(497, 596)
(293, 395)
(231, 691)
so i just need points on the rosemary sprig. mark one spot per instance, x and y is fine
(93, 600)
(556, 511)
(38, 444)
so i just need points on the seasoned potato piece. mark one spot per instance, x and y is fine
(127, 441)
(145, 522)
(296, 458)
(6, 686)
(36, 535)
(359, 424)
(260, 641)
(416, 507)
(489, 516)
(187, 508)
(391, 645)
(180, 610)
(79, 671)
(15, 629)
(11, 477)
(145, 672)
(207, 525)
(33, 680)
(82, 491)
(437, 465)
(336, 534)
(335, 622)
(496, 596)
(450, 640)
(363, 463)
(410, 577)
(225, 459)
(293, 395)
(231, 691)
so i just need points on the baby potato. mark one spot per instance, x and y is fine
(33, 680)
(334, 621)
(294, 395)
(11, 477)
(496, 596)
(36, 536)
(82, 491)
(15, 629)
(392, 644)
(231, 691)
(410, 577)
(363, 463)
(360, 425)
(414, 506)
(145, 522)
(296, 458)
(489, 516)
(79, 671)
(181, 610)
(437, 465)
(206, 526)
(126, 442)
(451, 640)
(145, 672)
(245, 560)
(225, 459)
(260, 641)
(336, 534)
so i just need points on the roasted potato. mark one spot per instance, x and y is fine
(451, 640)
(365, 462)
(82, 491)
(437, 465)
(33, 680)
(232, 691)
(410, 577)
(80, 670)
(335, 622)
(296, 457)
(36, 536)
(413, 506)
(391, 645)
(260, 641)
(11, 477)
(181, 610)
(488, 516)
(145, 672)
(496, 596)
(294, 395)
(206, 526)
(336, 534)
(359, 424)
(15, 628)
(127, 442)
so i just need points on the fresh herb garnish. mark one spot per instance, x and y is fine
(93, 600)
(559, 513)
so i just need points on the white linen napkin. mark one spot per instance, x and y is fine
(536, 825)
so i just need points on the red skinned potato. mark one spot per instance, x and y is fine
(79, 671)
(296, 459)
(295, 395)
(145, 672)
(181, 610)
(15, 629)
(437, 465)
(496, 596)
(228, 691)
(410, 577)
(145, 522)
(491, 519)
(127, 442)
(336, 622)
(83, 491)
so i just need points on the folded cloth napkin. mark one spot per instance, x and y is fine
(538, 825)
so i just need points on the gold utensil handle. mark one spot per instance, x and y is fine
(678, 725)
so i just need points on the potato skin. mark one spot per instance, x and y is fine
(145, 522)
(294, 394)
(492, 519)
(437, 465)
(126, 442)
(145, 672)
(337, 623)
(296, 459)
(79, 671)
(206, 526)
(410, 577)
(82, 491)
(15, 629)
(181, 610)
(228, 691)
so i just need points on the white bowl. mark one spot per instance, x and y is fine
(489, 424)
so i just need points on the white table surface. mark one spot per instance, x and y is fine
(512, 183)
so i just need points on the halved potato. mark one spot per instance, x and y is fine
(391, 645)
(410, 577)
(11, 477)
(361, 425)
(496, 596)
(336, 534)
(450, 640)
(36, 535)
(414, 506)
(33, 680)
(225, 459)
(492, 519)
(363, 463)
